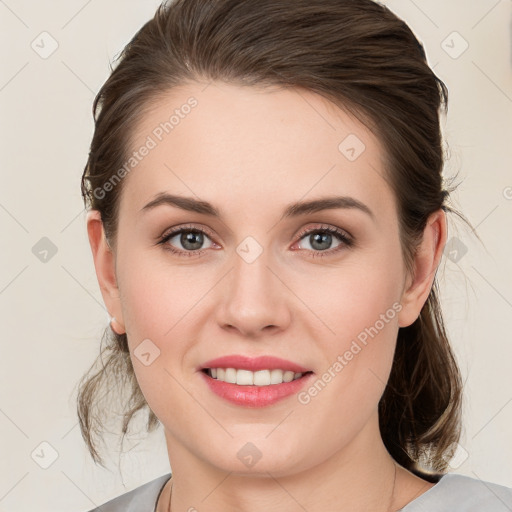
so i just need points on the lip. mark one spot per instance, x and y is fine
(254, 364)
(255, 396)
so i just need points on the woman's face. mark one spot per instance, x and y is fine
(259, 278)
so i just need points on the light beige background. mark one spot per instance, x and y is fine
(52, 314)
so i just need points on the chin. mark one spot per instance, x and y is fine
(258, 457)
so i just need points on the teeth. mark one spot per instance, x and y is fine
(248, 378)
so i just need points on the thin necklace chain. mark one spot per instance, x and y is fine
(389, 506)
(393, 492)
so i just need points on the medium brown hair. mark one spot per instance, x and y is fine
(364, 59)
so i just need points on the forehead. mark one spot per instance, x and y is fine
(247, 145)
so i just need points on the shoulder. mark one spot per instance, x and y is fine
(140, 499)
(463, 494)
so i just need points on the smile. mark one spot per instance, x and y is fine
(248, 378)
(255, 395)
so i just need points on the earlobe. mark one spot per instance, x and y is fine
(104, 263)
(426, 261)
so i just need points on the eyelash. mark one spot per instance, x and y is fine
(343, 237)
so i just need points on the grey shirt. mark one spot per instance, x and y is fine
(452, 493)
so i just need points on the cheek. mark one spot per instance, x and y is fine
(357, 357)
(358, 305)
(362, 293)
(160, 304)
(156, 297)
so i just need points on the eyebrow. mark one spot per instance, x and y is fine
(293, 210)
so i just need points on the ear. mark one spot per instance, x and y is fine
(104, 263)
(426, 261)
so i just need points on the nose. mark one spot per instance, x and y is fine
(254, 299)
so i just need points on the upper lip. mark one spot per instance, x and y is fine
(254, 364)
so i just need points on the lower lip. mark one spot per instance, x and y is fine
(255, 396)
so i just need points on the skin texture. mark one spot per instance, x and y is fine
(251, 152)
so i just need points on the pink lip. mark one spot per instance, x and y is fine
(255, 396)
(254, 364)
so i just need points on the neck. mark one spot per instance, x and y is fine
(359, 477)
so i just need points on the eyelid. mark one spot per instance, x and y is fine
(345, 238)
(326, 227)
(300, 234)
(174, 230)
